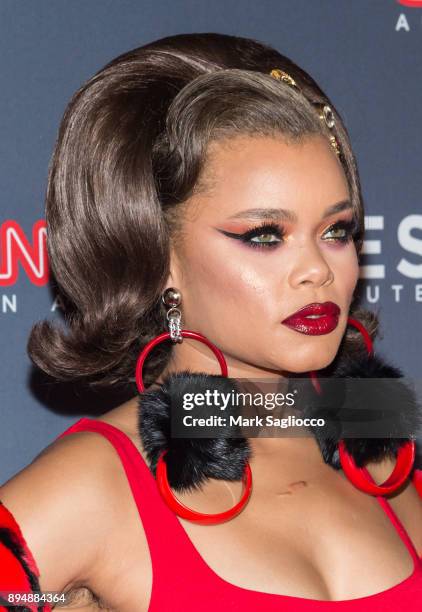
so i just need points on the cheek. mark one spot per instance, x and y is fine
(344, 264)
(222, 283)
(240, 286)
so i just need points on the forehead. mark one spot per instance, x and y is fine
(248, 171)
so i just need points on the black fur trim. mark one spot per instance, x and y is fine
(394, 396)
(10, 541)
(191, 461)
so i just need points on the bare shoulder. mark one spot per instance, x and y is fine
(66, 503)
(406, 503)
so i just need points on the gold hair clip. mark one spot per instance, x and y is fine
(280, 75)
(325, 111)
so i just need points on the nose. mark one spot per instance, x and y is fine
(310, 268)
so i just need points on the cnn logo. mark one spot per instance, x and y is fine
(414, 3)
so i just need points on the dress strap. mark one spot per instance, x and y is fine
(386, 506)
(165, 536)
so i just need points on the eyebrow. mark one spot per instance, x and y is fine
(277, 214)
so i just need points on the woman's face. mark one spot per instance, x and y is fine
(239, 282)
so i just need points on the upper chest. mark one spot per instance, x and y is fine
(310, 540)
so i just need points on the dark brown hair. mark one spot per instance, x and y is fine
(130, 151)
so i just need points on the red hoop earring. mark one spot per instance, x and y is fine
(161, 473)
(186, 333)
(360, 477)
(192, 515)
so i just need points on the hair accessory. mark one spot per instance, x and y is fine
(172, 298)
(191, 460)
(280, 75)
(326, 114)
(325, 111)
(359, 476)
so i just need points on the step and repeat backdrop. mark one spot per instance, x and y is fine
(366, 55)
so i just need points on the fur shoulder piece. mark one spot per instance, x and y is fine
(19, 571)
(190, 461)
(389, 395)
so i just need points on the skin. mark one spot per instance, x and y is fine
(333, 542)
(237, 295)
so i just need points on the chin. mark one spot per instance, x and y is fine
(313, 362)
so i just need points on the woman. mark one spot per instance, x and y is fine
(205, 182)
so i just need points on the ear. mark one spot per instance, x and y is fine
(175, 277)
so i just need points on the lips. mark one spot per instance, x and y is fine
(326, 322)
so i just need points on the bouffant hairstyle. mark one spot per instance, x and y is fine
(131, 149)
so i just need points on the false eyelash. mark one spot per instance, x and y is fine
(351, 227)
(264, 228)
(352, 230)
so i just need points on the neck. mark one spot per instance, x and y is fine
(199, 358)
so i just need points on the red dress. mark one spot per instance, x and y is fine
(183, 581)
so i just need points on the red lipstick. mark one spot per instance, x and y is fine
(326, 321)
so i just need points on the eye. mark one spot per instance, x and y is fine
(266, 238)
(346, 230)
(267, 235)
